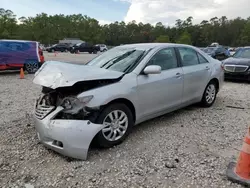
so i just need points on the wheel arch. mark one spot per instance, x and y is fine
(127, 102)
(217, 83)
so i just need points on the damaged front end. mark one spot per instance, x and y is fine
(63, 120)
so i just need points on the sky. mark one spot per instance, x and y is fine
(146, 11)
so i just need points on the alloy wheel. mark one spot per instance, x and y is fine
(116, 125)
(31, 67)
(210, 93)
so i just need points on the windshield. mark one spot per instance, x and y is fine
(209, 50)
(242, 53)
(118, 59)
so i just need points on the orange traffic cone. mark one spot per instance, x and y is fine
(21, 74)
(240, 172)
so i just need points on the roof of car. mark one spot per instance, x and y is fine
(152, 45)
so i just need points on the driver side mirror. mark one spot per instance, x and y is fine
(152, 69)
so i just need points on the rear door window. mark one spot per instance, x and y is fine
(188, 56)
(202, 59)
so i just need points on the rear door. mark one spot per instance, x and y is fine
(196, 73)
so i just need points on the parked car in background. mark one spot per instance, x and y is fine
(232, 51)
(237, 67)
(218, 52)
(58, 48)
(16, 54)
(125, 86)
(103, 47)
(214, 44)
(201, 48)
(84, 47)
(42, 47)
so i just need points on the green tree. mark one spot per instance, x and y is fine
(48, 29)
(245, 35)
(162, 39)
(185, 38)
(8, 24)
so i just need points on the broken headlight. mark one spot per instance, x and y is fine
(73, 105)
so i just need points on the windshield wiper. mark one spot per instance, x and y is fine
(119, 58)
(109, 61)
(135, 63)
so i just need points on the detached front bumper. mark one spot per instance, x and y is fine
(71, 138)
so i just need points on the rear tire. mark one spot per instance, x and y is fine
(209, 95)
(31, 67)
(117, 129)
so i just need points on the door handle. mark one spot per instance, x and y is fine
(178, 75)
(207, 68)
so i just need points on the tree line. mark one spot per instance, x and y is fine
(48, 29)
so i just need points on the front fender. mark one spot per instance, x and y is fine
(125, 88)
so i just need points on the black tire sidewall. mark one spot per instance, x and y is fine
(204, 101)
(101, 140)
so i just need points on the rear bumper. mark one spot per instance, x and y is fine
(67, 137)
(237, 76)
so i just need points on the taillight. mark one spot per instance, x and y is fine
(41, 55)
(222, 66)
(40, 51)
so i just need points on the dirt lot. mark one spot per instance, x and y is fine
(188, 148)
(68, 57)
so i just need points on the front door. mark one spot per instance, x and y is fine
(159, 92)
(197, 71)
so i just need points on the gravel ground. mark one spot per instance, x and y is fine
(188, 148)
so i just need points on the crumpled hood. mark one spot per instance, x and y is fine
(54, 74)
(237, 61)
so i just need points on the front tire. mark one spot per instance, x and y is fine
(209, 94)
(119, 121)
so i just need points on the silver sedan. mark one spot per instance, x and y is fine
(102, 100)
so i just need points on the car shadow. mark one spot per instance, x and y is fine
(9, 72)
(144, 126)
(237, 81)
(166, 117)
